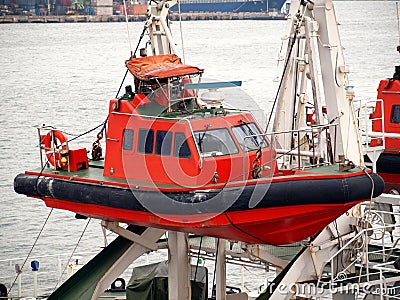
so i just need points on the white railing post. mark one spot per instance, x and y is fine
(35, 269)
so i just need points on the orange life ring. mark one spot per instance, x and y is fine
(55, 139)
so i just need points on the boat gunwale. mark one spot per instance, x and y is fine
(297, 176)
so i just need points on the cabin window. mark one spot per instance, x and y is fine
(163, 142)
(146, 141)
(395, 114)
(127, 142)
(249, 143)
(215, 142)
(181, 147)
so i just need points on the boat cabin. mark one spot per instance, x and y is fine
(160, 133)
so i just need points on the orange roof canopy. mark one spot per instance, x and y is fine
(159, 66)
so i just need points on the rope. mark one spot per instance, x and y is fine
(33, 246)
(215, 265)
(73, 252)
(282, 77)
(180, 28)
(127, 28)
(133, 54)
(372, 188)
(89, 131)
(198, 257)
(122, 82)
(296, 118)
(398, 20)
(241, 230)
(293, 41)
(41, 172)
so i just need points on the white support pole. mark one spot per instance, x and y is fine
(159, 31)
(35, 284)
(35, 269)
(18, 270)
(20, 285)
(220, 274)
(178, 267)
(168, 35)
(59, 268)
(242, 273)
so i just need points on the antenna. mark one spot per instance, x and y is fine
(180, 26)
(127, 28)
(398, 24)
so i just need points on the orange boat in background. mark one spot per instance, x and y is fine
(386, 132)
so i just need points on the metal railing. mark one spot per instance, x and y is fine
(303, 137)
(374, 267)
(365, 117)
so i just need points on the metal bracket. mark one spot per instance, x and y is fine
(256, 251)
(114, 227)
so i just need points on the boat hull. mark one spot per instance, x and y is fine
(277, 211)
(388, 167)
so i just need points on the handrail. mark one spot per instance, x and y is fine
(364, 107)
(299, 152)
(305, 129)
(365, 230)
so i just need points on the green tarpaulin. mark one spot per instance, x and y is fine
(150, 282)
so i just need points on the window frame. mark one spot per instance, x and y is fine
(226, 130)
(258, 133)
(176, 152)
(160, 147)
(395, 114)
(125, 139)
(142, 147)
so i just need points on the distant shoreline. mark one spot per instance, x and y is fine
(140, 18)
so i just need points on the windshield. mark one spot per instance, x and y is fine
(215, 142)
(249, 137)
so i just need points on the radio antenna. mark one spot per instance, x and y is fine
(127, 28)
(398, 25)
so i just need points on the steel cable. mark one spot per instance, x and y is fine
(30, 252)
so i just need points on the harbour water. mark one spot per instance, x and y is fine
(64, 74)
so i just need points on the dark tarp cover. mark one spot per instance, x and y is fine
(159, 66)
(150, 282)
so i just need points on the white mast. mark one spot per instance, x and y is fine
(313, 73)
(159, 31)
